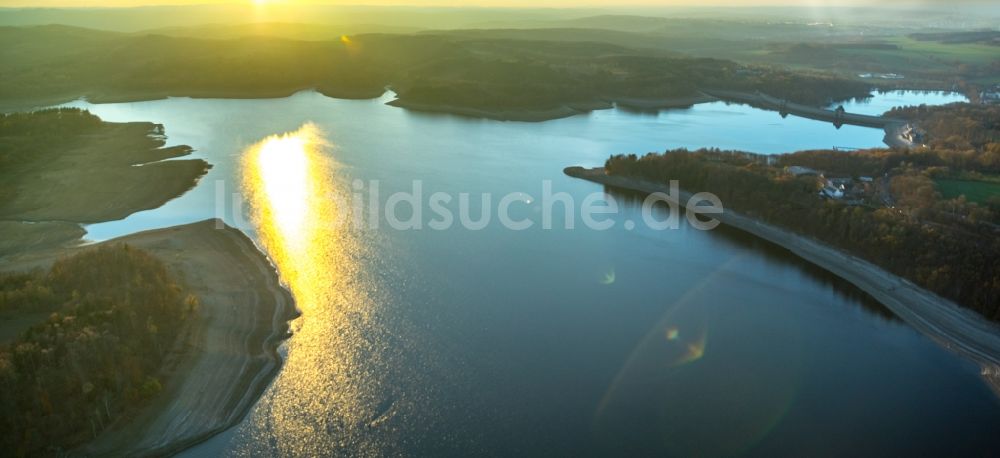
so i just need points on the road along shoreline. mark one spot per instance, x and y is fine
(956, 328)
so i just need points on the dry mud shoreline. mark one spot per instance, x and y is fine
(225, 364)
(223, 361)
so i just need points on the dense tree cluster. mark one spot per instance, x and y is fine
(116, 314)
(963, 135)
(809, 88)
(857, 164)
(939, 161)
(24, 292)
(949, 247)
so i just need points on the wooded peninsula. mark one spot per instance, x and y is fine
(885, 206)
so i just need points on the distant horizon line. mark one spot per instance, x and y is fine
(847, 5)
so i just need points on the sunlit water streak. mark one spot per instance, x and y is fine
(465, 343)
(325, 389)
(347, 386)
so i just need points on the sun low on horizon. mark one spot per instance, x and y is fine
(301, 228)
(454, 3)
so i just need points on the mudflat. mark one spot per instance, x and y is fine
(61, 168)
(64, 168)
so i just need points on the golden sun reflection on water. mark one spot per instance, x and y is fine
(322, 391)
(283, 164)
(287, 180)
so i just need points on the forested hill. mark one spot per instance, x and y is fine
(48, 64)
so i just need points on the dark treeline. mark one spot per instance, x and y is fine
(442, 70)
(116, 312)
(948, 247)
(60, 121)
(809, 88)
(932, 161)
(980, 36)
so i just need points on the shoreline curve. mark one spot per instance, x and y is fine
(222, 361)
(955, 328)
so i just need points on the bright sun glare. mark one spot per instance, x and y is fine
(284, 166)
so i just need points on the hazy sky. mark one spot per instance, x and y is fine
(509, 3)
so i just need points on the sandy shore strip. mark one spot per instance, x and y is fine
(497, 115)
(223, 361)
(663, 103)
(564, 111)
(958, 329)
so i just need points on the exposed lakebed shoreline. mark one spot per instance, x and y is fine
(69, 168)
(171, 424)
(539, 115)
(98, 171)
(223, 361)
(229, 359)
(958, 329)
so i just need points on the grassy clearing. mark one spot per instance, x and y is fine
(974, 191)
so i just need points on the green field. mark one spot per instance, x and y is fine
(974, 191)
(972, 53)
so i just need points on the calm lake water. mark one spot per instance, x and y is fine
(886, 101)
(551, 342)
